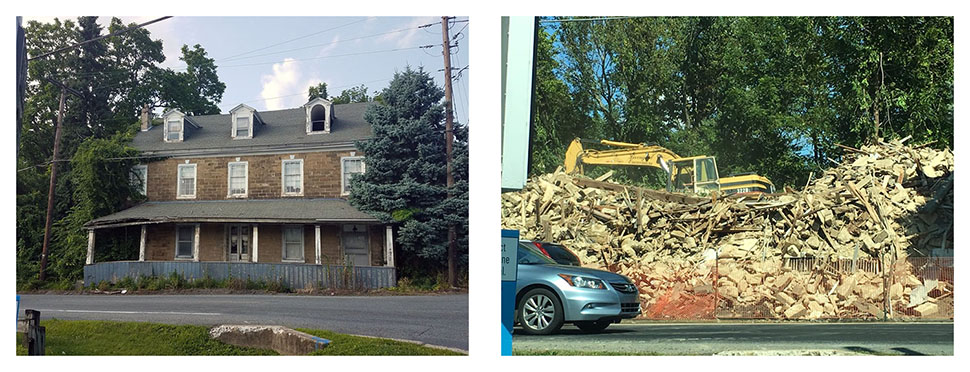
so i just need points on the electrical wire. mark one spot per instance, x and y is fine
(294, 39)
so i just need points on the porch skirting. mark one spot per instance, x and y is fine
(295, 275)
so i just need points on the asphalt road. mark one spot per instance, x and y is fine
(766, 338)
(435, 320)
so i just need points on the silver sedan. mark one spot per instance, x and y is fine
(549, 295)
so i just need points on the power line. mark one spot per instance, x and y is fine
(294, 39)
(99, 38)
(330, 43)
(330, 56)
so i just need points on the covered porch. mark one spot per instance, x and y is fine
(300, 240)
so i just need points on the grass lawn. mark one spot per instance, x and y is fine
(516, 351)
(89, 337)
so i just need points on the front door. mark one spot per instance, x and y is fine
(356, 245)
(239, 238)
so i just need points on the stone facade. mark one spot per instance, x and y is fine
(321, 176)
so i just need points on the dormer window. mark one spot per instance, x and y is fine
(174, 128)
(318, 119)
(319, 116)
(242, 127)
(244, 120)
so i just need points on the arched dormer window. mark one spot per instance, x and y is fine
(319, 116)
(244, 121)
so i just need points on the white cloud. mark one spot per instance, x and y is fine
(334, 42)
(407, 38)
(286, 87)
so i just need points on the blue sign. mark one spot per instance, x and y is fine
(510, 244)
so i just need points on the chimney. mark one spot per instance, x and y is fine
(145, 124)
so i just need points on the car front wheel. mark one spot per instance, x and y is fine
(540, 312)
(592, 327)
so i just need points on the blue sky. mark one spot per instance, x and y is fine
(341, 51)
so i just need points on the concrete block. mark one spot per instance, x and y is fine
(283, 340)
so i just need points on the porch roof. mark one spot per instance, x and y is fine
(250, 210)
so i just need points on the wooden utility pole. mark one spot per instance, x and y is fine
(50, 191)
(449, 138)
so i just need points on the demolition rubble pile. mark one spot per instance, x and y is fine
(881, 204)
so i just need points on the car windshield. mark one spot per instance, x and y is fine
(529, 255)
(561, 255)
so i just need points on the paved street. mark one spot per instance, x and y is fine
(712, 338)
(436, 320)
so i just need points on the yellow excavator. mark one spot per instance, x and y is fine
(695, 174)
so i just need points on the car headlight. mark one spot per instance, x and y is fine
(583, 281)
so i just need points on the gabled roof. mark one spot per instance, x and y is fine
(283, 129)
(294, 210)
(317, 100)
(187, 119)
(259, 120)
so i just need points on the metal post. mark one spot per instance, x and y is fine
(50, 192)
(34, 335)
(449, 138)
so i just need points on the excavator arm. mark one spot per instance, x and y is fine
(630, 154)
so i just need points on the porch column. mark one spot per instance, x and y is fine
(388, 247)
(195, 244)
(317, 243)
(255, 243)
(90, 260)
(141, 249)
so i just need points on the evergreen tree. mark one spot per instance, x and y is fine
(405, 181)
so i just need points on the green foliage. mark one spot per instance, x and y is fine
(405, 178)
(352, 95)
(117, 77)
(197, 90)
(318, 91)
(771, 95)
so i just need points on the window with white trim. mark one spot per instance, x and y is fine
(238, 178)
(293, 243)
(350, 166)
(184, 241)
(292, 177)
(186, 181)
(174, 129)
(242, 127)
(139, 178)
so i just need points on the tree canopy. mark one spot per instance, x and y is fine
(772, 95)
(116, 77)
(405, 178)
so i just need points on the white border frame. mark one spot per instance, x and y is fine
(178, 183)
(283, 258)
(283, 178)
(363, 169)
(144, 182)
(229, 194)
(190, 257)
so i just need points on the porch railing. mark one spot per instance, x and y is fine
(296, 276)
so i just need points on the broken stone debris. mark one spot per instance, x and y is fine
(871, 207)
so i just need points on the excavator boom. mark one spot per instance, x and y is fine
(693, 174)
(629, 154)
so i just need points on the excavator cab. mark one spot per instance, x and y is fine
(696, 175)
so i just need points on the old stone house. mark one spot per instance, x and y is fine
(249, 187)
